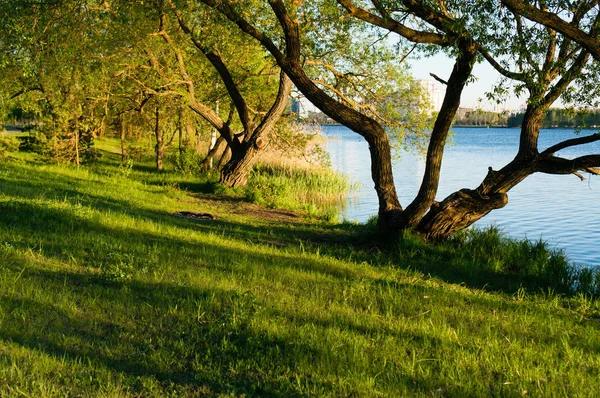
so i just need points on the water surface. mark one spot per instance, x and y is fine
(560, 209)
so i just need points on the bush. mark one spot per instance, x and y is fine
(187, 161)
(7, 144)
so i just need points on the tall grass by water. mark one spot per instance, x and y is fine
(107, 292)
(488, 258)
(318, 190)
(278, 180)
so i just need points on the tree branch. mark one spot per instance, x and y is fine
(224, 7)
(572, 142)
(215, 59)
(198, 107)
(557, 165)
(395, 26)
(522, 77)
(586, 40)
(521, 35)
(567, 77)
(273, 115)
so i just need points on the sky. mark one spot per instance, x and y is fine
(474, 93)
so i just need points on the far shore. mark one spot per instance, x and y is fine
(486, 127)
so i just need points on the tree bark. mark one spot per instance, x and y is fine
(458, 211)
(160, 146)
(123, 142)
(235, 173)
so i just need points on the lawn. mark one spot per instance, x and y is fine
(106, 291)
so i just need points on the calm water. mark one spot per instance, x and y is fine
(560, 209)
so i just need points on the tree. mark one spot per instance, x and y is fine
(547, 65)
(255, 123)
(287, 51)
(582, 29)
(55, 63)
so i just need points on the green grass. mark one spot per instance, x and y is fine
(319, 191)
(105, 293)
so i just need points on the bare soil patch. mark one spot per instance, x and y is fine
(230, 205)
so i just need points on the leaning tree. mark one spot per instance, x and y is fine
(544, 64)
(197, 53)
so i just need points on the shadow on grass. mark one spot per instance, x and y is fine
(197, 339)
(123, 252)
(154, 335)
(346, 242)
(187, 336)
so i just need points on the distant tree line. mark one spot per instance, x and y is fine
(479, 117)
(567, 118)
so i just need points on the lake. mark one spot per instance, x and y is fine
(560, 209)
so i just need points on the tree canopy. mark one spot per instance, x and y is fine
(232, 63)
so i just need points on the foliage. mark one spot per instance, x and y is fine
(480, 117)
(298, 141)
(355, 63)
(187, 160)
(7, 144)
(566, 118)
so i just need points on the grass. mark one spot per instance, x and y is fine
(289, 183)
(104, 292)
(319, 191)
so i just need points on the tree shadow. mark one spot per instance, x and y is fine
(150, 339)
(205, 335)
(342, 241)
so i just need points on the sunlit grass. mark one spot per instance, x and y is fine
(106, 293)
(317, 190)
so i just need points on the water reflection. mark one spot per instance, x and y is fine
(559, 209)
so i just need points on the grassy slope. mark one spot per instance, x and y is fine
(104, 293)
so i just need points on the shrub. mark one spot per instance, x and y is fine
(7, 144)
(186, 161)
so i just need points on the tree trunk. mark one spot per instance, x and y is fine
(435, 150)
(77, 162)
(191, 132)
(390, 210)
(463, 208)
(180, 131)
(225, 156)
(123, 143)
(236, 171)
(209, 159)
(458, 211)
(160, 146)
